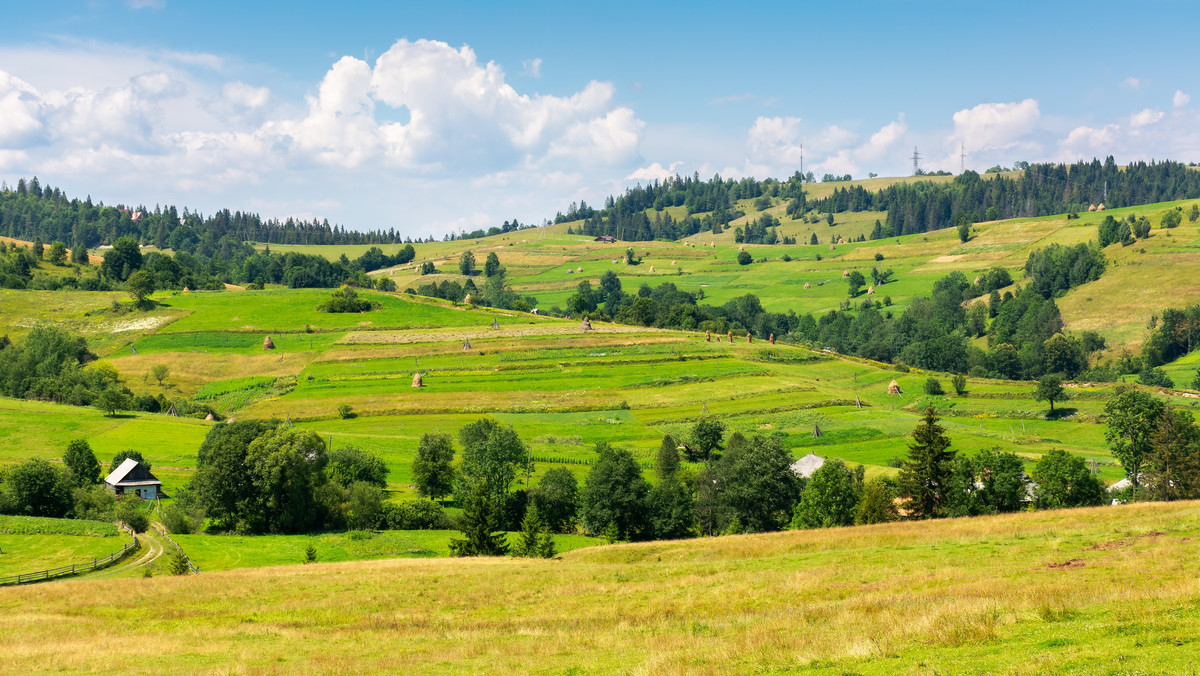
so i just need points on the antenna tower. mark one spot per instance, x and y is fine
(962, 158)
(801, 162)
(916, 158)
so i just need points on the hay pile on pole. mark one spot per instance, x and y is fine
(749, 338)
(417, 381)
(495, 323)
(730, 337)
(817, 431)
(586, 325)
(209, 417)
(771, 339)
(268, 344)
(806, 285)
(894, 388)
(467, 344)
(707, 336)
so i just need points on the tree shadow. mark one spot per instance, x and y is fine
(1061, 412)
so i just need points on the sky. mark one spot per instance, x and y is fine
(443, 117)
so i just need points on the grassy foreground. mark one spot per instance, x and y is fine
(1105, 590)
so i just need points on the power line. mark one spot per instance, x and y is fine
(916, 158)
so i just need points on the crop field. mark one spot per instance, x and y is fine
(1077, 591)
(224, 552)
(29, 544)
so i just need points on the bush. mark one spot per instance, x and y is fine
(960, 384)
(744, 258)
(933, 387)
(345, 411)
(1156, 377)
(179, 521)
(878, 256)
(415, 515)
(129, 510)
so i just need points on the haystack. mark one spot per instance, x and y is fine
(172, 412)
(230, 421)
(857, 402)
(841, 240)
(586, 325)
(894, 388)
(816, 431)
(614, 261)
(672, 262)
(730, 337)
(707, 336)
(845, 273)
(579, 269)
(870, 291)
(467, 344)
(1091, 207)
(771, 339)
(209, 417)
(749, 338)
(417, 382)
(186, 290)
(652, 269)
(268, 344)
(495, 323)
(976, 282)
(806, 285)
(742, 247)
(704, 408)
(467, 299)
(570, 271)
(1100, 206)
(831, 247)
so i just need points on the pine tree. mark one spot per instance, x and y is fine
(480, 525)
(925, 475)
(535, 539)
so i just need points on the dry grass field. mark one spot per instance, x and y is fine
(1105, 590)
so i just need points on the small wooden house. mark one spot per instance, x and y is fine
(133, 477)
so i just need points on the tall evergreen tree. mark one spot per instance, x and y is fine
(480, 527)
(926, 475)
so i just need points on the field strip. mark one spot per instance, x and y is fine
(444, 335)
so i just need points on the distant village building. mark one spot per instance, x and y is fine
(133, 477)
(804, 467)
(605, 238)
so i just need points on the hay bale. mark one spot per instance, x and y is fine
(209, 417)
(771, 339)
(730, 337)
(806, 285)
(268, 344)
(1091, 207)
(831, 247)
(467, 344)
(845, 273)
(870, 291)
(894, 388)
(651, 269)
(417, 381)
(467, 299)
(586, 325)
(749, 338)
(707, 336)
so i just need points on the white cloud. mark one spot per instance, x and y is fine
(1088, 141)
(995, 126)
(244, 96)
(654, 172)
(775, 139)
(146, 4)
(1180, 99)
(730, 99)
(1132, 82)
(533, 67)
(1145, 117)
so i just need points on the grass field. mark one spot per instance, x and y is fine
(30, 544)
(1104, 590)
(224, 552)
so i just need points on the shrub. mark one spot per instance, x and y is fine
(933, 387)
(310, 554)
(878, 256)
(129, 510)
(744, 258)
(960, 384)
(415, 515)
(345, 411)
(1156, 377)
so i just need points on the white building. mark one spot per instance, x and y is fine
(132, 477)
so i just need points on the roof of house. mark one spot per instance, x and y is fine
(131, 473)
(807, 465)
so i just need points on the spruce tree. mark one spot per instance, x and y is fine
(925, 475)
(480, 521)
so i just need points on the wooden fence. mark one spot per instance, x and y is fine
(76, 568)
(163, 532)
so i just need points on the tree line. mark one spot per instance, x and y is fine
(1041, 189)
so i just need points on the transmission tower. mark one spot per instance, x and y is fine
(916, 158)
(801, 162)
(962, 158)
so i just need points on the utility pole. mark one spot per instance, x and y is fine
(916, 158)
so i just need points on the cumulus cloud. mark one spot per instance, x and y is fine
(1180, 99)
(533, 67)
(995, 126)
(244, 96)
(1088, 141)
(654, 172)
(1145, 117)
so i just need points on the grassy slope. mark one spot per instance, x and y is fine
(30, 544)
(1083, 591)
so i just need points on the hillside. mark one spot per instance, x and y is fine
(1080, 591)
(562, 389)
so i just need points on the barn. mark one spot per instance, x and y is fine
(132, 477)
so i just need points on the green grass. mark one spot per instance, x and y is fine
(224, 552)
(29, 544)
(1103, 590)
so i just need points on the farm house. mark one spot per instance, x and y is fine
(132, 477)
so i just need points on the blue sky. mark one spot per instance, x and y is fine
(442, 116)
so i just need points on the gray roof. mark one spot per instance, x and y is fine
(131, 473)
(807, 465)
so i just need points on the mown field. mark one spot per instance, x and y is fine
(1102, 590)
(30, 544)
(561, 388)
